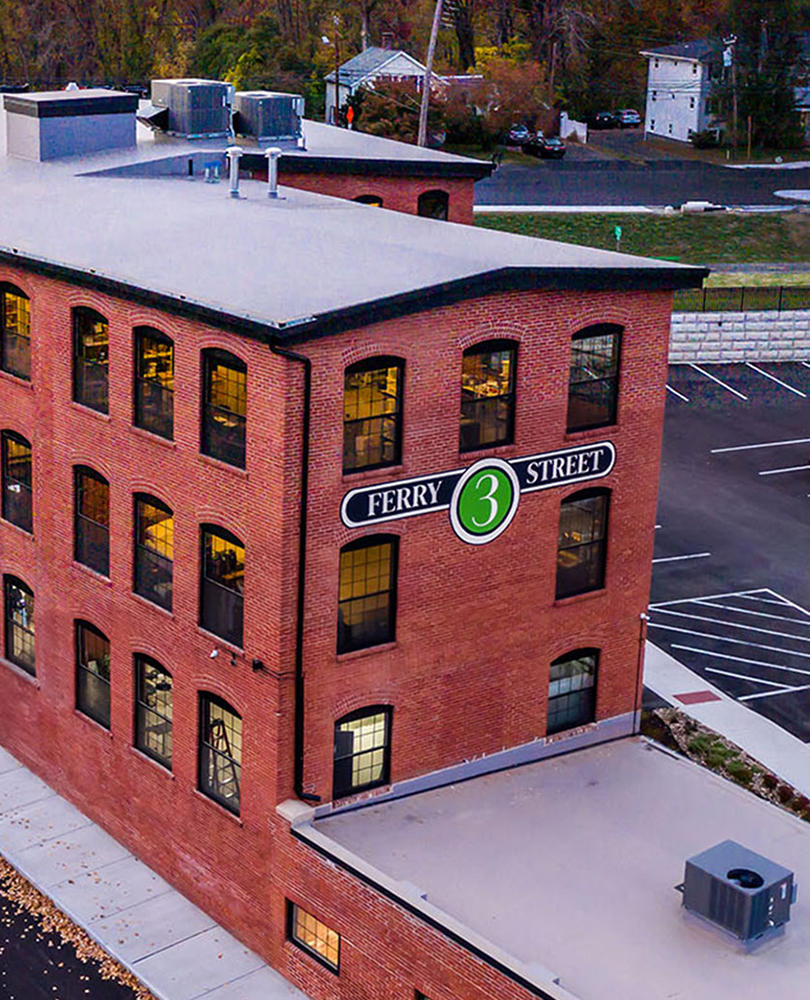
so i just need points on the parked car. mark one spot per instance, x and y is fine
(604, 119)
(628, 118)
(517, 135)
(547, 148)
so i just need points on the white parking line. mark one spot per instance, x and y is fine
(770, 694)
(658, 526)
(805, 363)
(762, 600)
(724, 638)
(676, 393)
(747, 677)
(765, 444)
(713, 597)
(747, 611)
(778, 381)
(748, 628)
(693, 555)
(741, 659)
(714, 378)
(787, 600)
(775, 472)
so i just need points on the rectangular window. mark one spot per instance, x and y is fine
(15, 326)
(154, 551)
(313, 936)
(93, 673)
(223, 584)
(572, 691)
(362, 751)
(154, 382)
(153, 710)
(487, 395)
(220, 752)
(372, 402)
(367, 593)
(582, 544)
(19, 618)
(691, 102)
(593, 381)
(17, 480)
(91, 344)
(92, 520)
(224, 407)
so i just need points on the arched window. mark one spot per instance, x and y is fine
(367, 593)
(154, 550)
(369, 199)
(153, 710)
(19, 620)
(572, 690)
(222, 586)
(362, 750)
(593, 385)
(93, 673)
(220, 747)
(372, 414)
(91, 523)
(224, 407)
(488, 395)
(17, 481)
(154, 381)
(582, 542)
(434, 205)
(91, 344)
(15, 332)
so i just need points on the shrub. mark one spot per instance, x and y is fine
(718, 755)
(784, 793)
(740, 772)
(699, 744)
(769, 782)
(801, 803)
(707, 139)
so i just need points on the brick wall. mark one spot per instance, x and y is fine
(740, 336)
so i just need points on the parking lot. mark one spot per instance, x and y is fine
(731, 587)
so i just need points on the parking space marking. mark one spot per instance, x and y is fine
(748, 628)
(805, 363)
(761, 600)
(710, 597)
(747, 677)
(692, 555)
(787, 600)
(778, 381)
(741, 659)
(770, 694)
(714, 378)
(748, 611)
(776, 472)
(724, 638)
(765, 444)
(678, 394)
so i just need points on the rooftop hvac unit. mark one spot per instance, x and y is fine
(266, 115)
(738, 890)
(198, 109)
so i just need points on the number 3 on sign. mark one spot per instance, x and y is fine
(484, 501)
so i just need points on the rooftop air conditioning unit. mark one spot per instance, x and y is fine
(268, 116)
(198, 109)
(738, 890)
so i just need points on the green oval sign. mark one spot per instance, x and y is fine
(484, 501)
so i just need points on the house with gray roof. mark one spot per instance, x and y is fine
(364, 69)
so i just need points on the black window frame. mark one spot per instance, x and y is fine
(85, 546)
(152, 571)
(343, 762)
(143, 710)
(12, 627)
(224, 443)
(20, 510)
(219, 756)
(210, 586)
(153, 402)
(607, 385)
(375, 200)
(379, 363)
(91, 377)
(293, 937)
(558, 721)
(439, 200)
(597, 545)
(84, 671)
(7, 352)
(472, 402)
(365, 637)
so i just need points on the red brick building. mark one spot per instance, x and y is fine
(342, 505)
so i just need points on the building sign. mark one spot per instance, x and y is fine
(483, 498)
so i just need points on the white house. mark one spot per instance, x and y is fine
(366, 67)
(679, 82)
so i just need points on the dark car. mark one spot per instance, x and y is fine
(517, 135)
(547, 148)
(604, 119)
(628, 118)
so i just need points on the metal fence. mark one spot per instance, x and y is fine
(741, 298)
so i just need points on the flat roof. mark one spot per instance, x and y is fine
(564, 871)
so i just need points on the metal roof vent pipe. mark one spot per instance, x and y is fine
(234, 153)
(272, 154)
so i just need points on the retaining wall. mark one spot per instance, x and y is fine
(736, 336)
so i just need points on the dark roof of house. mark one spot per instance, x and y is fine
(701, 50)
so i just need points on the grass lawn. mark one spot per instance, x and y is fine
(714, 238)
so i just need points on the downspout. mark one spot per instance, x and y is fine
(642, 637)
(298, 759)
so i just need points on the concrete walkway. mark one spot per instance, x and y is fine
(762, 739)
(174, 948)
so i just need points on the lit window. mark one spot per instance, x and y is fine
(313, 936)
(488, 395)
(582, 543)
(19, 617)
(224, 407)
(93, 673)
(433, 205)
(367, 593)
(223, 584)
(593, 383)
(572, 690)
(17, 492)
(369, 199)
(15, 328)
(91, 343)
(154, 382)
(154, 551)
(362, 751)
(153, 710)
(92, 520)
(220, 752)
(372, 404)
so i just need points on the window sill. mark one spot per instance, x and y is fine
(300, 949)
(217, 463)
(23, 383)
(92, 573)
(31, 679)
(142, 432)
(213, 637)
(356, 654)
(79, 714)
(160, 768)
(219, 807)
(81, 408)
(587, 595)
(16, 527)
(146, 603)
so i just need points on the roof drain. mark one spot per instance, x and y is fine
(233, 153)
(272, 154)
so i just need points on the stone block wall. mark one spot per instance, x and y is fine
(735, 336)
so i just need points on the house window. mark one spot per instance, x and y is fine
(93, 673)
(694, 69)
(572, 690)
(593, 381)
(91, 343)
(15, 327)
(223, 584)
(372, 408)
(656, 64)
(154, 382)
(19, 617)
(154, 550)
(582, 542)
(220, 752)
(654, 94)
(92, 520)
(669, 128)
(433, 205)
(367, 593)
(691, 102)
(224, 407)
(488, 395)
(313, 936)
(17, 478)
(369, 199)
(362, 751)
(153, 710)
(652, 125)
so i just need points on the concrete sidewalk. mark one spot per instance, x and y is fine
(762, 739)
(174, 948)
